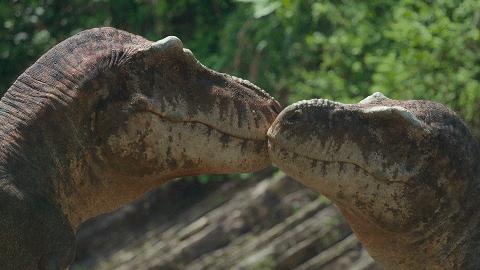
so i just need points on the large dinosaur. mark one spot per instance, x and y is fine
(104, 117)
(405, 174)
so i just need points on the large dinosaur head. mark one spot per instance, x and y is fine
(395, 168)
(170, 114)
(117, 115)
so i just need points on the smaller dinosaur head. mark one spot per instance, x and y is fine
(167, 114)
(393, 167)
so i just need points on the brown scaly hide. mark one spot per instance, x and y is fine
(104, 117)
(404, 173)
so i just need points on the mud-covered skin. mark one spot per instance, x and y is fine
(404, 173)
(104, 117)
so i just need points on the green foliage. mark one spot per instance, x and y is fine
(29, 28)
(296, 49)
(345, 50)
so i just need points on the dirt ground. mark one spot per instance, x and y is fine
(266, 222)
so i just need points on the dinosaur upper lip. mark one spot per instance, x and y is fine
(307, 155)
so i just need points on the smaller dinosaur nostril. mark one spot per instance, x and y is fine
(293, 117)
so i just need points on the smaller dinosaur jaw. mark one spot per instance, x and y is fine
(345, 183)
(276, 147)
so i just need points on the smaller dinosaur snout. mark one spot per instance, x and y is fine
(288, 117)
(293, 117)
(299, 111)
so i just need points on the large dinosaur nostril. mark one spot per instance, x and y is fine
(271, 109)
(275, 106)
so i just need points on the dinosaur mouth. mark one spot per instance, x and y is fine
(278, 150)
(208, 126)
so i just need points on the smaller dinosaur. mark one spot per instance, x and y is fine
(104, 117)
(405, 174)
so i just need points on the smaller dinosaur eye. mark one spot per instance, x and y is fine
(176, 68)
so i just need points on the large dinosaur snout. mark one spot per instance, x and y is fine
(182, 89)
(180, 117)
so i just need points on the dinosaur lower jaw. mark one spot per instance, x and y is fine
(227, 153)
(347, 184)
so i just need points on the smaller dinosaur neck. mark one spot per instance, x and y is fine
(375, 239)
(464, 230)
(454, 243)
(448, 242)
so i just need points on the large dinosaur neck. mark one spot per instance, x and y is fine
(54, 157)
(43, 157)
(63, 82)
(45, 146)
